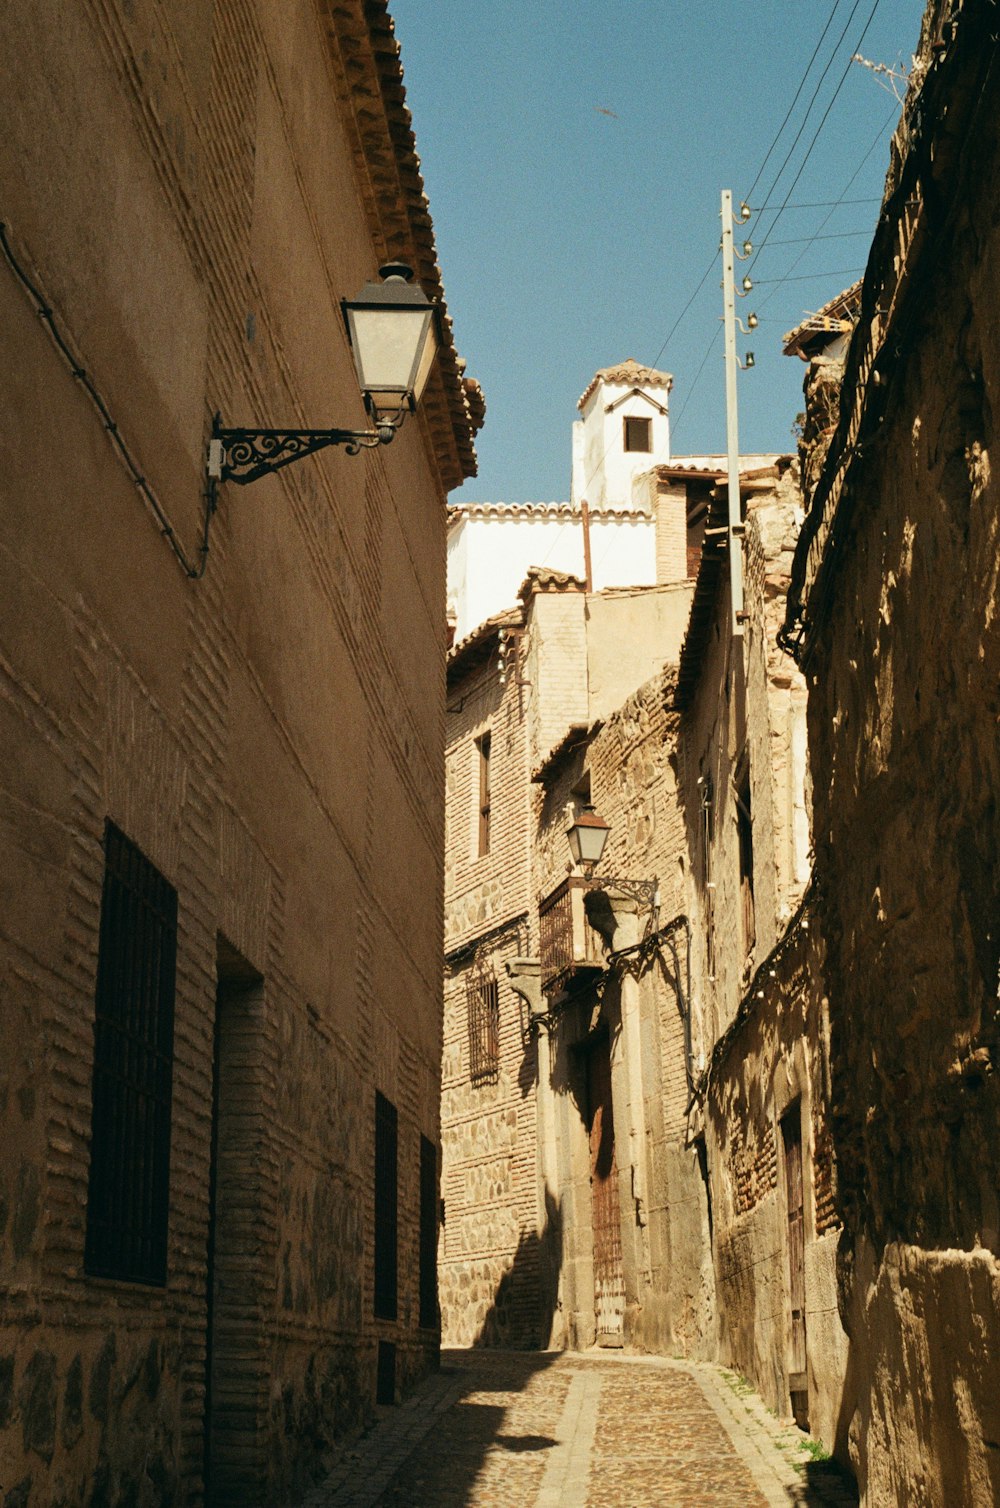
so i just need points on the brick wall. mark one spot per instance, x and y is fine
(269, 737)
(671, 532)
(556, 663)
(492, 1259)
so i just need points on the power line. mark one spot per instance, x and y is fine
(836, 235)
(687, 400)
(805, 277)
(791, 107)
(819, 84)
(842, 200)
(833, 98)
(759, 209)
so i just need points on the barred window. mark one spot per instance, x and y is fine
(386, 1207)
(483, 997)
(128, 1192)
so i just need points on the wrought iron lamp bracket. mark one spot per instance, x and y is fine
(643, 892)
(245, 455)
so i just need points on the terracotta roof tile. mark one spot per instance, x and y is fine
(547, 579)
(368, 78)
(630, 372)
(835, 318)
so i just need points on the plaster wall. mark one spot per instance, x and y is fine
(183, 188)
(603, 471)
(490, 551)
(630, 636)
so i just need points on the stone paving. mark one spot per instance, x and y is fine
(498, 1429)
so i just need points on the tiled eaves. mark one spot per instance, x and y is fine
(478, 645)
(716, 467)
(548, 579)
(541, 510)
(629, 371)
(836, 317)
(575, 735)
(368, 78)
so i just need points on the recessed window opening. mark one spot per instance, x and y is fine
(485, 748)
(638, 434)
(428, 1235)
(386, 1207)
(744, 828)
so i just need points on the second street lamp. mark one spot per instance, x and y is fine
(587, 834)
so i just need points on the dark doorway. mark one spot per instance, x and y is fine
(798, 1380)
(235, 1380)
(609, 1280)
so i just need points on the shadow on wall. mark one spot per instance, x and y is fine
(524, 1304)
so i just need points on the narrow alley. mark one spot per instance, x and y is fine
(569, 1430)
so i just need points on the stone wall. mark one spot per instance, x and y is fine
(773, 1062)
(631, 764)
(760, 1028)
(184, 190)
(903, 653)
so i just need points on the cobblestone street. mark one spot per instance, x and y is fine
(522, 1430)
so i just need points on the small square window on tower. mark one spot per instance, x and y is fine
(638, 434)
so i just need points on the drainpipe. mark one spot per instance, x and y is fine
(525, 976)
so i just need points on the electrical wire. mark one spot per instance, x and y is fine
(795, 99)
(44, 312)
(646, 368)
(836, 203)
(758, 209)
(825, 116)
(836, 235)
(820, 82)
(805, 277)
(652, 367)
(704, 359)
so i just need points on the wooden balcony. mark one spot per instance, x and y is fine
(568, 945)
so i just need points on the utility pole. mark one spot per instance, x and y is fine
(732, 423)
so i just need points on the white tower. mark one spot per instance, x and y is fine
(624, 431)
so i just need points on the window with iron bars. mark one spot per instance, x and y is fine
(483, 998)
(129, 1184)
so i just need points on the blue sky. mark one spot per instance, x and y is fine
(571, 238)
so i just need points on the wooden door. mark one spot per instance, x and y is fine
(609, 1281)
(798, 1383)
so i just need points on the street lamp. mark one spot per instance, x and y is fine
(393, 331)
(587, 834)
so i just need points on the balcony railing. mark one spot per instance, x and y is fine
(567, 943)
